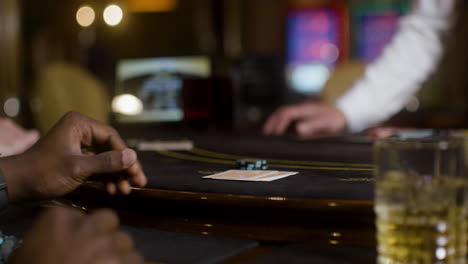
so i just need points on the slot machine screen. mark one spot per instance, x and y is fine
(316, 39)
(150, 89)
(373, 25)
(375, 32)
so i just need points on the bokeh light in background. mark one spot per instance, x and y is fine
(329, 53)
(309, 78)
(127, 104)
(11, 107)
(85, 16)
(142, 6)
(113, 15)
(413, 104)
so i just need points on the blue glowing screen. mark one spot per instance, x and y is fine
(375, 31)
(313, 36)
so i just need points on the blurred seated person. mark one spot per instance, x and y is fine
(56, 165)
(14, 139)
(62, 83)
(387, 83)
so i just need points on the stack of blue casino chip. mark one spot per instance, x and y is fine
(252, 164)
(7, 245)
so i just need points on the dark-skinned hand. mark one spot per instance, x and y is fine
(76, 148)
(65, 236)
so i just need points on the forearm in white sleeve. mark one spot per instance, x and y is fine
(405, 64)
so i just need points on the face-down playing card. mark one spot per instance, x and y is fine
(252, 175)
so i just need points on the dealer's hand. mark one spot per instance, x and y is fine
(65, 236)
(14, 139)
(73, 150)
(311, 119)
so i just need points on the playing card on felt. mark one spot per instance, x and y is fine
(276, 176)
(240, 175)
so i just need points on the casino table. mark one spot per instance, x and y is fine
(327, 204)
(321, 215)
(327, 170)
(338, 168)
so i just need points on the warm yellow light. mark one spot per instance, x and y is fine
(127, 104)
(152, 5)
(113, 14)
(85, 16)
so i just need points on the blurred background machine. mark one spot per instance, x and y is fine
(150, 89)
(255, 56)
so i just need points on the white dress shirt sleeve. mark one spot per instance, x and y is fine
(412, 55)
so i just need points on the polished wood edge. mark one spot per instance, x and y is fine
(362, 206)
